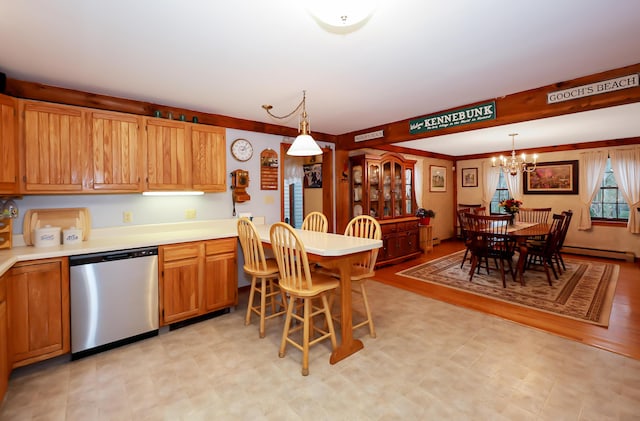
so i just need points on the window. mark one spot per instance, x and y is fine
(608, 204)
(502, 193)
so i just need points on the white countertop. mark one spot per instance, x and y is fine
(120, 238)
(323, 244)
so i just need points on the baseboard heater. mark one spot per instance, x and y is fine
(609, 254)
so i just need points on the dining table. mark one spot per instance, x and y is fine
(521, 232)
(340, 252)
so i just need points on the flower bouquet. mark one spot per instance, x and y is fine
(511, 206)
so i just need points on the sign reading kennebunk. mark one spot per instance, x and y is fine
(610, 85)
(486, 111)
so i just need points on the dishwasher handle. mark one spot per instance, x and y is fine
(110, 256)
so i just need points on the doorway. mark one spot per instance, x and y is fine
(306, 184)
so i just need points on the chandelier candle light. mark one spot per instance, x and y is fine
(303, 145)
(515, 164)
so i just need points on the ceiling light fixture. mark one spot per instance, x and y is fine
(341, 15)
(515, 164)
(303, 145)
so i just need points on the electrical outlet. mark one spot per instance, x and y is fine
(190, 214)
(127, 216)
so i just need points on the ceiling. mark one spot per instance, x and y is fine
(411, 58)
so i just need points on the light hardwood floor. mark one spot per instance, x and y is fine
(622, 336)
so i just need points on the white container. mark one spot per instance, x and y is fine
(72, 235)
(47, 236)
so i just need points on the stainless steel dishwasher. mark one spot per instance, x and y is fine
(114, 299)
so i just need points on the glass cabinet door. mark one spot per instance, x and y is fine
(357, 190)
(398, 201)
(373, 207)
(387, 202)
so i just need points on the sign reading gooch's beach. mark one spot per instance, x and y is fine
(486, 111)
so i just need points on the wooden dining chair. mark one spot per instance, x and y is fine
(489, 240)
(462, 223)
(264, 277)
(479, 210)
(315, 221)
(362, 226)
(299, 283)
(537, 215)
(544, 254)
(568, 214)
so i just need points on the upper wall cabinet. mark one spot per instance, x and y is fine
(207, 147)
(8, 145)
(168, 155)
(52, 142)
(116, 157)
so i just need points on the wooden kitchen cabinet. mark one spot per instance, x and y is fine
(5, 369)
(38, 310)
(116, 155)
(8, 145)
(220, 274)
(197, 278)
(180, 275)
(383, 186)
(52, 139)
(208, 148)
(168, 155)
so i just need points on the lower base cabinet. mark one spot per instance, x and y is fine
(4, 351)
(197, 278)
(400, 240)
(38, 324)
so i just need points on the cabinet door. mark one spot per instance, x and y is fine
(168, 155)
(221, 274)
(4, 352)
(179, 282)
(116, 152)
(8, 146)
(53, 140)
(38, 310)
(208, 164)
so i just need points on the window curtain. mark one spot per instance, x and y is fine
(491, 176)
(514, 184)
(419, 184)
(592, 165)
(625, 164)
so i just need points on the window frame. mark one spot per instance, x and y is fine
(599, 219)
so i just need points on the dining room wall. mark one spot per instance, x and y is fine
(607, 237)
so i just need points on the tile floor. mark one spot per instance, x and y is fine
(430, 361)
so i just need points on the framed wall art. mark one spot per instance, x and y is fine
(437, 178)
(560, 177)
(469, 177)
(313, 176)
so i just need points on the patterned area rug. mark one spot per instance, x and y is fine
(584, 291)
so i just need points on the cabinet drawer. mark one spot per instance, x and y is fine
(224, 245)
(180, 252)
(408, 226)
(389, 228)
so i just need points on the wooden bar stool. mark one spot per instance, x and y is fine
(300, 283)
(264, 276)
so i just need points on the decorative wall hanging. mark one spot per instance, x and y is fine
(560, 177)
(268, 170)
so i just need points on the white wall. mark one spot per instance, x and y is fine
(613, 238)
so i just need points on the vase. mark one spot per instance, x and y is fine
(512, 220)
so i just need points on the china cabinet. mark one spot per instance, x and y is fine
(383, 186)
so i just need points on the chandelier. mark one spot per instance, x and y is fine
(341, 16)
(303, 145)
(515, 164)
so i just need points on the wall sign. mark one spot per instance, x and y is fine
(468, 115)
(605, 86)
(367, 136)
(268, 170)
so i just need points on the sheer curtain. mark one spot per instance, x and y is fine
(592, 165)
(514, 184)
(419, 184)
(626, 169)
(490, 177)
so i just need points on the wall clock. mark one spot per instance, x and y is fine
(242, 150)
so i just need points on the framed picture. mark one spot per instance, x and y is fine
(560, 177)
(469, 177)
(312, 176)
(437, 178)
